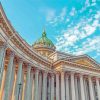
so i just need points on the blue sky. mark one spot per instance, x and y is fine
(73, 25)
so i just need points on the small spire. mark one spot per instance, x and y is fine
(44, 33)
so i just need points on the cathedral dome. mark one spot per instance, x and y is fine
(44, 42)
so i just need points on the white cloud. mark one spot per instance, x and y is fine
(74, 34)
(63, 13)
(73, 11)
(50, 14)
(53, 18)
(88, 4)
(91, 44)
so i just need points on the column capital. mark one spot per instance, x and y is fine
(72, 73)
(52, 75)
(67, 74)
(29, 66)
(44, 72)
(4, 45)
(62, 73)
(36, 70)
(20, 60)
(12, 54)
(58, 73)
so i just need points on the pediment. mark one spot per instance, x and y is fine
(85, 61)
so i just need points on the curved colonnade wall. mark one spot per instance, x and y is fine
(26, 75)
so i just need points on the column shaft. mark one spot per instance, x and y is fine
(98, 88)
(67, 87)
(18, 86)
(31, 86)
(91, 89)
(8, 78)
(52, 87)
(40, 86)
(2, 56)
(49, 88)
(62, 86)
(36, 85)
(44, 89)
(57, 87)
(82, 88)
(27, 90)
(73, 87)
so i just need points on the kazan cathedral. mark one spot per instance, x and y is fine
(40, 72)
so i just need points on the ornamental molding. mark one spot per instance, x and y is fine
(71, 64)
(93, 62)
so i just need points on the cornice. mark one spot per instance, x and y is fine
(71, 64)
(83, 56)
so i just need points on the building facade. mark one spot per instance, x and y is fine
(39, 72)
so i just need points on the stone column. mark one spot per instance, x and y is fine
(8, 77)
(27, 90)
(44, 86)
(49, 88)
(31, 86)
(82, 87)
(62, 86)
(67, 87)
(86, 89)
(57, 87)
(12, 81)
(76, 88)
(40, 86)
(36, 85)
(98, 88)
(73, 87)
(91, 89)
(2, 56)
(18, 86)
(52, 86)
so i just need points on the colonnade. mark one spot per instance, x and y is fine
(24, 82)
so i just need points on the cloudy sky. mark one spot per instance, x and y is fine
(73, 25)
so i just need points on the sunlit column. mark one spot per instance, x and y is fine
(3, 83)
(18, 85)
(62, 86)
(52, 86)
(21, 93)
(2, 56)
(31, 86)
(82, 88)
(86, 89)
(91, 89)
(13, 97)
(36, 85)
(44, 89)
(98, 88)
(67, 86)
(40, 86)
(12, 81)
(76, 88)
(49, 88)
(27, 90)
(57, 87)
(8, 77)
(73, 87)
